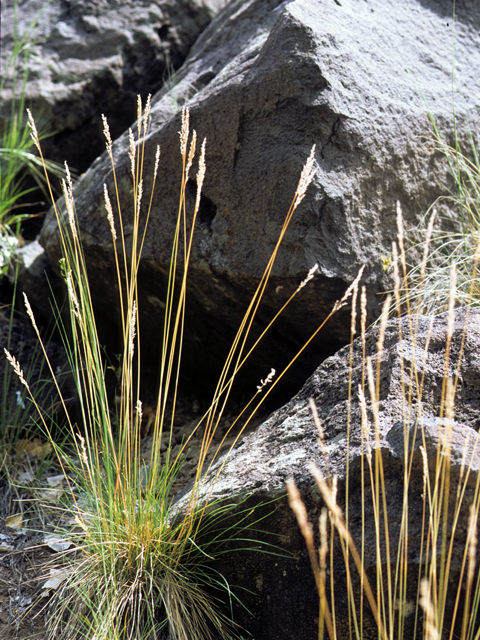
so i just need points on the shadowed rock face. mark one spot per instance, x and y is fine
(264, 82)
(89, 57)
(284, 603)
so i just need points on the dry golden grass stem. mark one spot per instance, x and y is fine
(319, 427)
(353, 331)
(322, 557)
(471, 552)
(224, 386)
(236, 357)
(298, 507)
(336, 515)
(442, 522)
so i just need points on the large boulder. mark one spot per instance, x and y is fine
(264, 82)
(280, 591)
(88, 57)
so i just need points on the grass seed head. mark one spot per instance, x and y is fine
(29, 311)
(108, 207)
(184, 132)
(431, 631)
(200, 175)
(139, 115)
(72, 296)
(108, 138)
(132, 330)
(33, 130)
(472, 542)
(132, 152)
(309, 277)
(191, 154)
(305, 178)
(69, 203)
(157, 162)
(16, 367)
(139, 195)
(267, 381)
(298, 507)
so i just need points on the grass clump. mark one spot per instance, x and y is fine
(427, 289)
(441, 596)
(141, 569)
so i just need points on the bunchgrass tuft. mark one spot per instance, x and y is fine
(140, 568)
(447, 595)
(428, 287)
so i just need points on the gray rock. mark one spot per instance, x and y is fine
(31, 270)
(284, 602)
(264, 82)
(89, 57)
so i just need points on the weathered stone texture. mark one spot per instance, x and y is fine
(264, 82)
(89, 57)
(284, 445)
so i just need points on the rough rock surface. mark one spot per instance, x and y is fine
(264, 82)
(33, 274)
(284, 603)
(90, 57)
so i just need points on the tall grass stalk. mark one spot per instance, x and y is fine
(385, 590)
(140, 566)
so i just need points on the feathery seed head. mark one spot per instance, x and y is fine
(472, 542)
(267, 381)
(146, 113)
(309, 277)
(69, 203)
(184, 131)
(108, 207)
(425, 468)
(69, 179)
(363, 311)
(131, 152)
(191, 154)
(72, 295)
(340, 303)
(139, 195)
(29, 311)
(33, 130)
(106, 133)
(305, 178)
(16, 367)
(431, 631)
(200, 175)
(298, 508)
(353, 319)
(139, 115)
(131, 333)
(82, 451)
(157, 161)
